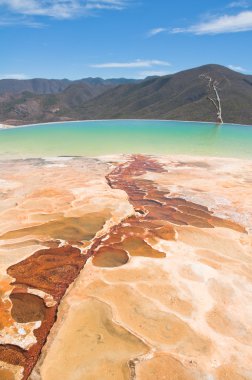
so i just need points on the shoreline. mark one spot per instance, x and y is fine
(6, 126)
(185, 158)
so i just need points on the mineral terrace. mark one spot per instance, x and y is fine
(126, 267)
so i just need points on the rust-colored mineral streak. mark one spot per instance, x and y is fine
(156, 213)
(156, 205)
(52, 270)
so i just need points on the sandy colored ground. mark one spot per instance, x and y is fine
(179, 315)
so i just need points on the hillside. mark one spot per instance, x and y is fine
(29, 107)
(182, 96)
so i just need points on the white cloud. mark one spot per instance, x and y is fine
(237, 68)
(134, 64)
(106, 4)
(154, 32)
(61, 9)
(13, 76)
(240, 22)
(24, 21)
(238, 4)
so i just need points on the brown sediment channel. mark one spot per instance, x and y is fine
(52, 271)
(157, 205)
(49, 270)
(157, 216)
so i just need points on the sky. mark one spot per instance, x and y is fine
(122, 38)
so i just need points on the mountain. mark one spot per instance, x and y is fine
(53, 86)
(35, 86)
(49, 100)
(26, 107)
(181, 96)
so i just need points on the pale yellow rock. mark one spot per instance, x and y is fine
(184, 316)
(104, 348)
(193, 308)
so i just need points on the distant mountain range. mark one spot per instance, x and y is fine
(182, 96)
(41, 86)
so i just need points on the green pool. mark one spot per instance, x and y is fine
(94, 138)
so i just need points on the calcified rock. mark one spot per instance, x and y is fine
(164, 293)
(60, 218)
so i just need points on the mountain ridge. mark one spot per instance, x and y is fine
(181, 96)
(42, 86)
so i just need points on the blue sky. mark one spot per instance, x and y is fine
(122, 38)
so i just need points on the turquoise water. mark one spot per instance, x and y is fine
(93, 138)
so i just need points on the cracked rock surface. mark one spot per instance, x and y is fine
(125, 267)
